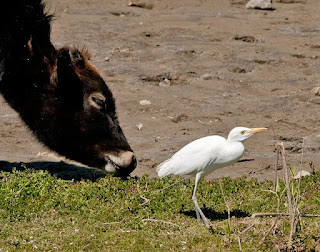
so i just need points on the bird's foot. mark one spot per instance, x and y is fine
(206, 222)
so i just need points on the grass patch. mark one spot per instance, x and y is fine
(40, 211)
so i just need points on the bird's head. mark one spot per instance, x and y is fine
(240, 134)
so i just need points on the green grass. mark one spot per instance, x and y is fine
(40, 211)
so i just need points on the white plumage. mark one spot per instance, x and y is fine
(204, 155)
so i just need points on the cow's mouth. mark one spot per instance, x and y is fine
(109, 160)
(121, 165)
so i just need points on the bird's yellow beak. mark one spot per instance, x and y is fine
(255, 130)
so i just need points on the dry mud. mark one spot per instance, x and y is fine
(225, 66)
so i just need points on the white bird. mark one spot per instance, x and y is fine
(204, 155)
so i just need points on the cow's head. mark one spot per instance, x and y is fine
(88, 130)
(58, 93)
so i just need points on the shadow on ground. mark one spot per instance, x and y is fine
(213, 215)
(59, 169)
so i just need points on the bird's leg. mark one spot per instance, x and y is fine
(198, 209)
(197, 212)
(194, 199)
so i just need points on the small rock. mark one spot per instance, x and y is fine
(179, 118)
(165, 83)
(316, 91)
(302, 174)
(106, 58)
(144, 102)
(260, 40)
(259, 4)
(207, 77)
(140, 5)
(248, 39)
(237, 70)
(289, 30)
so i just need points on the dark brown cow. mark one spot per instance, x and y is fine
(58, 93)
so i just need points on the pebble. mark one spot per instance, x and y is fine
(316, 91)
(301, 174)
(140, 5)
(144, 102)
(165, 83)
(259, 4)
(207, 77)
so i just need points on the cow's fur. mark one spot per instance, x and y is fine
(57, 92)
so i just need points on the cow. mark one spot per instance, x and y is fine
(58, 93)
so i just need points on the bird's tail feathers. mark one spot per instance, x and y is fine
(163, 169)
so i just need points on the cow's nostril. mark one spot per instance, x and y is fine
(127, 170)
(134, 162)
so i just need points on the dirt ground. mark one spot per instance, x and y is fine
(225, 66)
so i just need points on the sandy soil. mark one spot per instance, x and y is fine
(226, 66)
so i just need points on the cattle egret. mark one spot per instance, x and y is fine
(204, 155)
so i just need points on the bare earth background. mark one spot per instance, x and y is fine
(227, 66)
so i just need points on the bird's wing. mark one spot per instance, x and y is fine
(195, 157)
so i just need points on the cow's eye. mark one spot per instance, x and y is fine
(97, 100)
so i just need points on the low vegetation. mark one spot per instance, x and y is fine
(41, 211)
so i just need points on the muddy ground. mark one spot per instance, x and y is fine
(225, 66)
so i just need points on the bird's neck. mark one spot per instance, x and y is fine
(233, 150)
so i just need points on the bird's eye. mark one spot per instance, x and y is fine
(242, 132)
(97, 100)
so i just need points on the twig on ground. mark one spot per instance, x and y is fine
(239, 242)
(109, 223)
(162, 221)
(255, 215)
(146, 201)
(269, 231)
(179, 181)
(241, 233)
(159, 190)
(247, 229)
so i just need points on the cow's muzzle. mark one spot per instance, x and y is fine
(120, 164)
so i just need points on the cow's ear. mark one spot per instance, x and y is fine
(77, 58)
(69, 85)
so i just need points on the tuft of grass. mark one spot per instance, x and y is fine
(40, 211)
